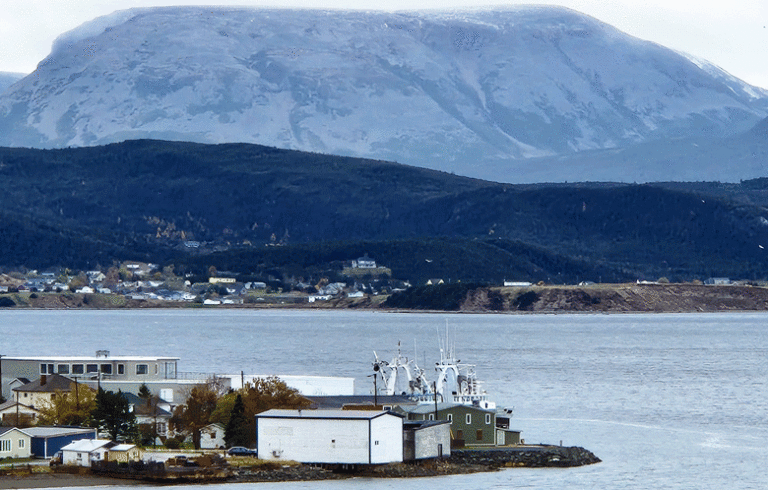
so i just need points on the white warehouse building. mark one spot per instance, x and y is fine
(330, 436)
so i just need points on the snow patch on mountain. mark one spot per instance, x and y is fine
(461, 90)
(90, 29)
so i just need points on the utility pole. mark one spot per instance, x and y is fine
(434, 388)
(375, 390)
(77, 396)
(1, 376)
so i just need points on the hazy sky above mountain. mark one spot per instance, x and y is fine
(732, 35)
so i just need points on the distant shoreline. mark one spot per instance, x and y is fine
(544, 299)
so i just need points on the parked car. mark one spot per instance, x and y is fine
(56, 459)
(241, 451)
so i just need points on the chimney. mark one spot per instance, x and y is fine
(43, 379)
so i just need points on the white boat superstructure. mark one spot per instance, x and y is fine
(390, 373)
(455, 382)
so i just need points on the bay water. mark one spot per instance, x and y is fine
(676, 401)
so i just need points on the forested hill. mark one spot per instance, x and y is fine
(150, 199)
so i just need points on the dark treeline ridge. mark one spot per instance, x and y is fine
(265, 212)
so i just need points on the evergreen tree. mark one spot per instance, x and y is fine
(112, 415)
(144, 392)
(236, 431)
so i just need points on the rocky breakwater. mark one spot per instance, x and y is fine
(524, 456)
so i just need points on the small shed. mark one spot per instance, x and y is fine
(86, 451)
(212, 436)
(123, 453)
(507, 437)
(330, 436)
(426, 439)
(14, 443)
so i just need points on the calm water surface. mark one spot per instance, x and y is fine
(667, 401)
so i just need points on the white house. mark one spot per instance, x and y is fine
(330, 436)
(364, 263)
(15, 443)
(84, 451)
(212, 436)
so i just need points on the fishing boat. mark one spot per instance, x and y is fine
(455, 381)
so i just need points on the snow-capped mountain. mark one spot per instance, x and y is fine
(8, 78)
(471, 91)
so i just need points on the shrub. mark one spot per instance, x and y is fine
(172, 443)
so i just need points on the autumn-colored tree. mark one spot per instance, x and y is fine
(271, 392)
(68, 408)
(195, 414)
(265, 394)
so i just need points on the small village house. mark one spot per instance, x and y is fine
(123, 453)
(84, 452)
(15, 414)
(152, 414)
(212, 436)
(14, 443)
(43, 390)
(470, 425)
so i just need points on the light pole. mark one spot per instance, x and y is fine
(375, 390)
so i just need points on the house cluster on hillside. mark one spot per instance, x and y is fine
(146, 281)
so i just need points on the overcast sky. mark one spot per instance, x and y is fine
(732, 35)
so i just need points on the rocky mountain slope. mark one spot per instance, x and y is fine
(472, 92)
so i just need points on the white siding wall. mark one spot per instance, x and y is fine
(332, 441)
(82, 458)
(14, 444)
(428, 439)
(387, 430)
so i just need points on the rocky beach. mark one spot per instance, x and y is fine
(460, 462)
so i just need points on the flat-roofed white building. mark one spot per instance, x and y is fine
(330, 436)
(305, 385)
(126, 373)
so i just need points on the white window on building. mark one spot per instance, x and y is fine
(92, 368)
(450, 417)
(78, 369)
(5, 445)
(141, 369)
(63, 368)
(487, 418)
(106, 368)
(121, 369)
(469, 418)
(431, 416)
(21, 443)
